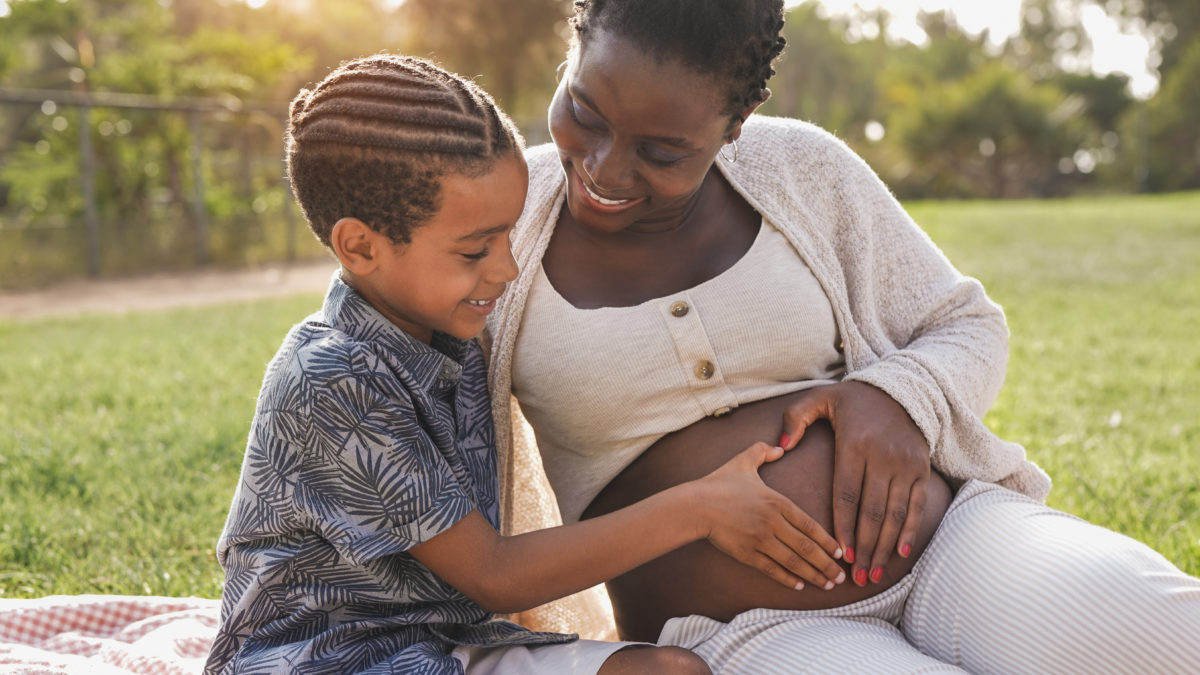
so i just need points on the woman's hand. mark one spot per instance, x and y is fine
(881, 471)
(759, 527)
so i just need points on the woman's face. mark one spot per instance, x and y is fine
(636, 136)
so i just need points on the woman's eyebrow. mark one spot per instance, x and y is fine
(675, 141)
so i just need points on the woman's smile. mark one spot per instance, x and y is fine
(600, 203)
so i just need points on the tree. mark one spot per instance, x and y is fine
(995, 133)
(512, 45)
(1170, 127)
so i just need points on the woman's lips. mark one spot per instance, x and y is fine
(602, 204)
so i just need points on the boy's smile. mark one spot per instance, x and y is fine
(449, 276)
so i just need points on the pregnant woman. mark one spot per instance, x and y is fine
(695, 278)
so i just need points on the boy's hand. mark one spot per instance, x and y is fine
(759, 527)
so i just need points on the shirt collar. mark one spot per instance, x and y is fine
(436, 367)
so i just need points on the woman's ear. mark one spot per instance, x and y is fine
(735, 128)
(356, 245)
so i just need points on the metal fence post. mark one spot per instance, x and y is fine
(89, 190)
(199, 212)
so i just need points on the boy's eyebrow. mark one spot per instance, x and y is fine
(484, 234)
(681, 143)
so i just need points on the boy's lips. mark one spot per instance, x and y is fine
(482, 306)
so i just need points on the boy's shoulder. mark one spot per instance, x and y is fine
(317, 357)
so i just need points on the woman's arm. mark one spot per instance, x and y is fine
(926, 339)
(731, 507)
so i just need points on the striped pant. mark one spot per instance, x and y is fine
(1007, 585)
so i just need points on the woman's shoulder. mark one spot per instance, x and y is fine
(543, 163)
(788, 141)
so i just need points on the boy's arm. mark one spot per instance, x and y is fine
(731, 507)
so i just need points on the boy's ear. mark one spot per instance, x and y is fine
(356, 245)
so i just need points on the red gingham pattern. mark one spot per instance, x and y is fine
(112, 635)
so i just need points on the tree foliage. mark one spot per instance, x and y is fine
(959, 115)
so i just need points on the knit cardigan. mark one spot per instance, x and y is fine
(910, 323)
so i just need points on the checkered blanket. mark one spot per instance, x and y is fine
(106, 634)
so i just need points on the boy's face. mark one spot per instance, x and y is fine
(449, 276)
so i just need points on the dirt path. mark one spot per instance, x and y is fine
(166, 291)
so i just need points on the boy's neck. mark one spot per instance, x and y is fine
(366, 290)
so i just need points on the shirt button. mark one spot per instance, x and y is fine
(721, 412)
(705, 369)
(679, 309)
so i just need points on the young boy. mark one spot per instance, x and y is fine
(363, 534)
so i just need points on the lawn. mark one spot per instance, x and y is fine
(122, 435)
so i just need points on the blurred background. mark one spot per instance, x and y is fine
(142, 138)
(145, 135)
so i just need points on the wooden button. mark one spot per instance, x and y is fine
(705, 369)
(679, 309)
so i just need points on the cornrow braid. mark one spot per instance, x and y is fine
(735, 41)
(373, 140)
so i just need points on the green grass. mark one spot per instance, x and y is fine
(1103, 301)
(122, 436)
(122, 442)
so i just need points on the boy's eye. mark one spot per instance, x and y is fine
(476, 256)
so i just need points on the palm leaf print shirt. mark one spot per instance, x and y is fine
(365, 442)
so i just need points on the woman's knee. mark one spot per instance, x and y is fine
(648, 660)
(1011, 571)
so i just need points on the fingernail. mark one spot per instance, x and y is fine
(799, 585)
(837, 554)
(877, 574)
(840, 577)
(829, 585)
(783, 440)
(905, 550)
(860, 577)
(849, 556)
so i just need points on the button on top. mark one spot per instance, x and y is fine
(705, 369)
(679, 309)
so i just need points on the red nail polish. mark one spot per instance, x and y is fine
(877, 574)
(905, 550)
(783, 440)
(860, 577)
(848, 556)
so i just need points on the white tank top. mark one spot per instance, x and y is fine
(599, 386)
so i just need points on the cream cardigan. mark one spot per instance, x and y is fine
(911, 324)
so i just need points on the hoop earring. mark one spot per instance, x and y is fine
(558, 72)
(727, 158)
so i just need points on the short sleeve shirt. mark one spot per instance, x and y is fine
(365, 443)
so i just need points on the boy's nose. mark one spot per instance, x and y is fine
(505, 269)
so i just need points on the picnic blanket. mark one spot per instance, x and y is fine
(106, 634)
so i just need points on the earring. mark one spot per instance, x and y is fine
(559, 71)
(726, 157)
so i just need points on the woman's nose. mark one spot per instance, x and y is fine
(609, 168)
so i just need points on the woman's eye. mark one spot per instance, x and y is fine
(584, 117)
(661, 157)
(476, 256)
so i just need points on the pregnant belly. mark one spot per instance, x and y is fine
(699, 579)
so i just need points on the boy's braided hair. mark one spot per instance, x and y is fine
(374, 138)
(734, 41)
